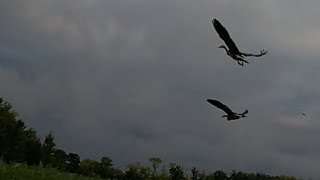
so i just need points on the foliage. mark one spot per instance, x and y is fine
(33, 148)
(73, 162)
(176, 172)
(195, 173)
(11, 134)
(48, 148)
(17, 144)
(155, 161)
(59, 160)
(219, 175)
(23, 172)
(87, 167)
(137, 172)
(105, 168)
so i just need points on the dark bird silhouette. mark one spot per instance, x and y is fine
(233, 51)
(230, 114)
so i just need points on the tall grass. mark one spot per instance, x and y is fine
(23, 172)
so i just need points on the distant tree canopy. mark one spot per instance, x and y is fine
(19, 144)
(73, 161)
(48, 149)
(59, 160)
(176, 172)
(87, 167)
(155, 161)
(195, 173)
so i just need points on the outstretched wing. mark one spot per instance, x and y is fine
(220, 106)
(224, 35)
(262, 52)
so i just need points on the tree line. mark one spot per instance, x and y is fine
(19, 144)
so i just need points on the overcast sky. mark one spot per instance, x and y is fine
(129, 79)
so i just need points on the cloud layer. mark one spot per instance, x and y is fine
(130, 79)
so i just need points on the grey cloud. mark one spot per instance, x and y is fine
(130, 79)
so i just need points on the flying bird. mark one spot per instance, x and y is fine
(233, 51)
(230, 114)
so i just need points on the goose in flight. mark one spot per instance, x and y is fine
(230, 114)
(233, 51)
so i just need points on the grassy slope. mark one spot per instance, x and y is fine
(22, 172)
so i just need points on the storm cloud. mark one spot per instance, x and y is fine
(129, 79)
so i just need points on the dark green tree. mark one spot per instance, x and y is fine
(87, 167)
(163, 173)
(48, 149)
(238, 175)
(202, 175)
(145, 172)
(15, 143)
(33, 148)
(220, 175)
(195, 173)
(132, 173)
(155, 161)
(118, 174)
(73, 162)
(106, 162)
(12, 134)
(176, 172)
(59, 160)
(105, 168)
(137, 172)
(261, 176)
(210, 176)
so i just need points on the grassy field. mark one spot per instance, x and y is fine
(22, 172)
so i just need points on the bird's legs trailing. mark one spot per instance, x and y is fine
(262, 52)
(238, 57)
(236, 116)
(241, 64)
(240, 60)
(243, 114)
(231, 117)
